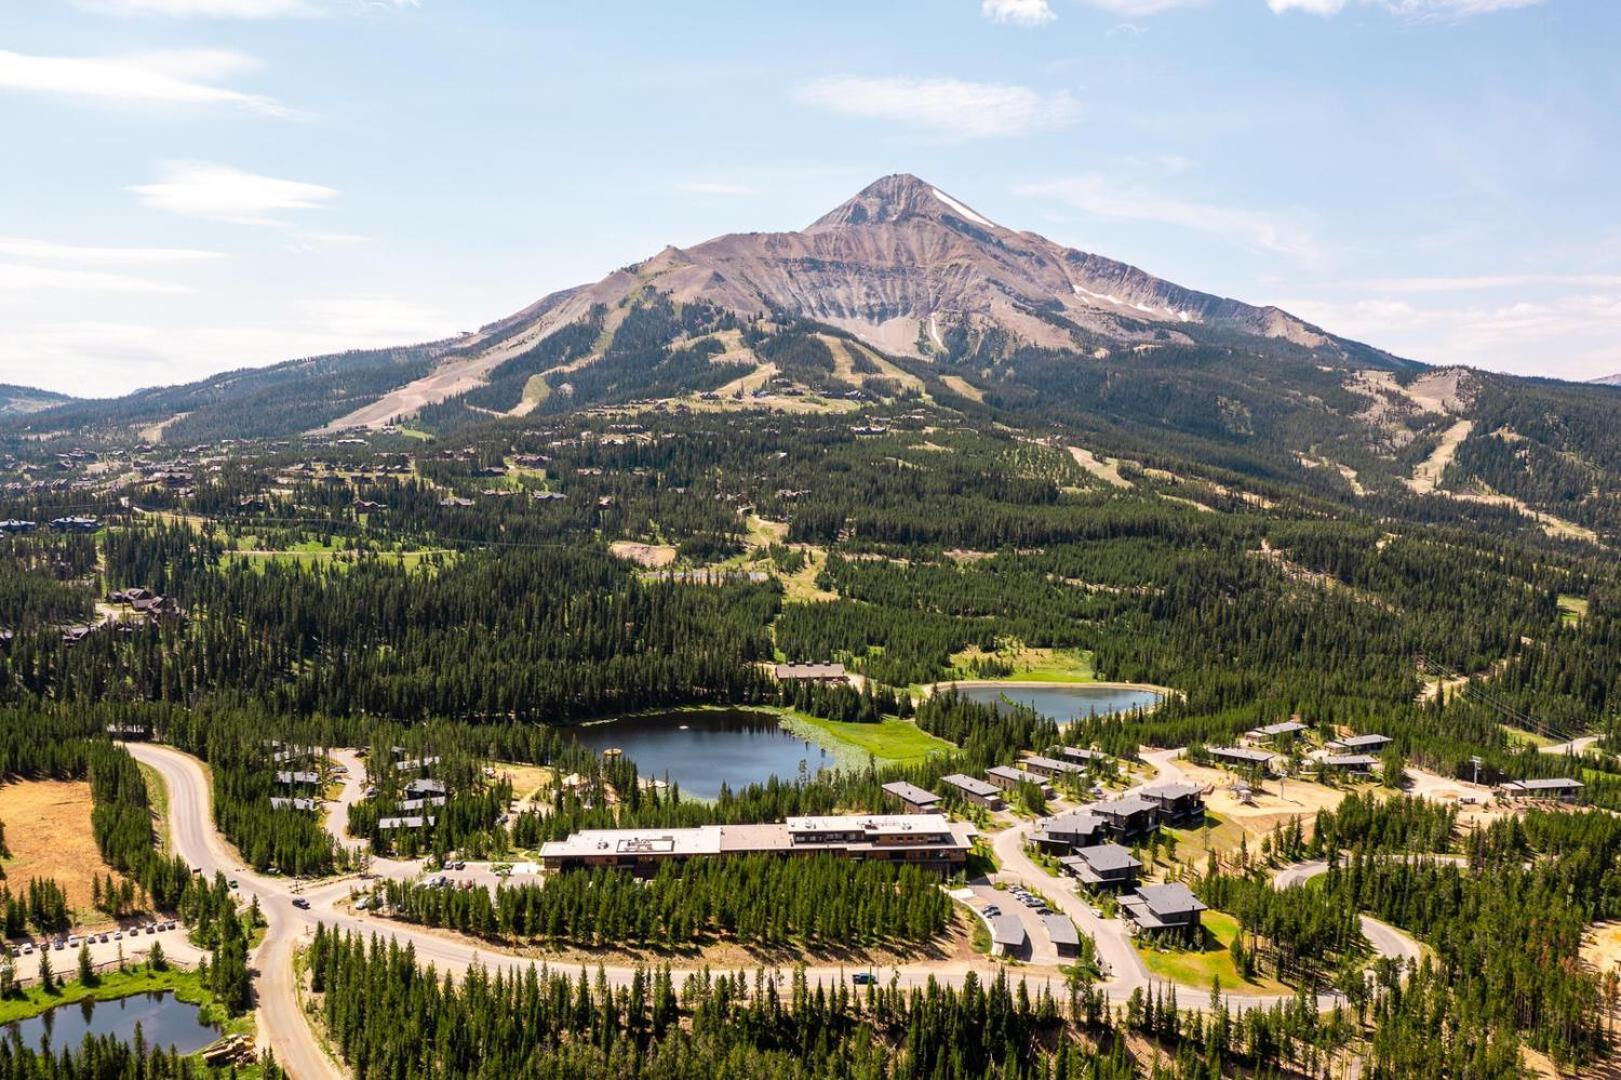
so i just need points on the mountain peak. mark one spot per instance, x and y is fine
(895, 198)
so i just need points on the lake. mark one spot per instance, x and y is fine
(1064, 703)
(164, 1019)
(700, 750)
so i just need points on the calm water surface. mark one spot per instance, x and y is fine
(701, 750)
(164, 1020)
(1064, 703)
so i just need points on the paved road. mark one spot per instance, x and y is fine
(283, 1027)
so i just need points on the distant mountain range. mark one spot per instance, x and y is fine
(905, 293)
(22, 400)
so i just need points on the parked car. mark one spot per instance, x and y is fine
(863, 978)
(118, 935)
(28, 947)
(301, 903)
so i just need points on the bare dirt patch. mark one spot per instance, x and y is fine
(1427, 475)
(652, 556)
(959, 385)
(49, 836)
(1103, 468)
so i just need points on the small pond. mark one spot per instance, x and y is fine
(1064, 703)
(164, 1020)
(701, 749)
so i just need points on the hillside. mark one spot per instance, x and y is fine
(22, 400)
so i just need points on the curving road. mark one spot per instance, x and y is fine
(284, 1028)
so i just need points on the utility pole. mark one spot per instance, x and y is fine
(1475, 761)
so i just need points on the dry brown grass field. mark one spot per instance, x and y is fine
(48, 835)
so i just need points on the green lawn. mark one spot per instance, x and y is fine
(1196, 967)
(888, 740)
(1572, 610)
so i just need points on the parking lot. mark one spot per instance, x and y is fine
(1038, 947)
(136, 941)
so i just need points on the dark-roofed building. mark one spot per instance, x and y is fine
(1072, 829)
(1363, 744)
(1103, 866)
(1240, 756)
(1081, 755)
(1562, 788)
(1178, 801)
(1007, 934)
(1051, 768)
(1360, 764)
(1065, 938)
(827, 673)
(1277, 731)
(418, 789)
(1008, 778)
(975, 791)
(1128, 817)
(1171, 908)
(912, 799)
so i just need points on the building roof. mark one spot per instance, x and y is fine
(810, 671)
(1287, 727)
(1080, 753)
(1008, 772)
(277, 802)
(1061, 930)
(1007, 931)
(969, 784)
(1362, 742)
(870, 824)
(286, 777)
(1039, 762)
(1124, 806)
(1351, 761)
(1171, 789)
(1239, 753)
(911, 793)
(1555, 783)
(1108, 857)
(1073, 821)
(1172, 898)
(408, 822)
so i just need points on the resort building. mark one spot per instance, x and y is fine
(1241, 757)
(927, 840)
(1177, 801)
(1104, 866)
(912, 799)
(1357, 764)
(824, 673)
(1562, 788)
(975, 791)
(1009, 778)
(1273, 732)
(1051, 768)
(1007, 934)
(1170, 908)
(1361, 744)
(1065, 938)
(1128, 817)
(1072, 829)
(1081, 755)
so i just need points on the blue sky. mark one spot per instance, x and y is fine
(194, 185)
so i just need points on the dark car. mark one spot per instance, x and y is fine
(863, 978)
(301, 903)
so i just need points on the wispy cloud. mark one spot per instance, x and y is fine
(1018, 12)
(1133, 8)
(1420, 9)
(716, 187)
(185, 77)
(1479, 282)
(222, 193)
(967, 110)
(24, 282)
(19, 247)
(1097, 195)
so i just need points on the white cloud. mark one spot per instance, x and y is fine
(223, 193)
(25, 248)
(1018, 12)
(716, 187)
(1098, 196)
(24, 282)
(952, 107)
(183, 77)
(1432, 9)
(1481, 282)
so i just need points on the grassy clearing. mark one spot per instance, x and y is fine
(1572, 610)
(157, 797)
(1196, 967)
(49, 836)
(890, 741)
(1029, 665)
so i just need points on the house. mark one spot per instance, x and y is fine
(1178, 801)
(1362, 744)
(1239, 757)
(975, 791)
(411, 764)
(278, 802)
(418, 789)
(1358, 764)
(294, 778)
(821, 673)
(1009, 778)
(411, 806)
(1066, 940)
(913, 799)
(1051, 768)
(1007, 934)
(1274, 732)
(1080, 755)
(1128, 817)
(1562, 788)
(1072, 829)
(1103, 866)
(389, 824)
(1170, 908)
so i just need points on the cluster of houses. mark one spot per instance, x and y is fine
(1353, 755)
(296, 778)
(19, 527)
(418, 798)
(145, 602)
(1038, 770)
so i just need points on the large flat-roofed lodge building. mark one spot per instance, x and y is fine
(926, 840)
